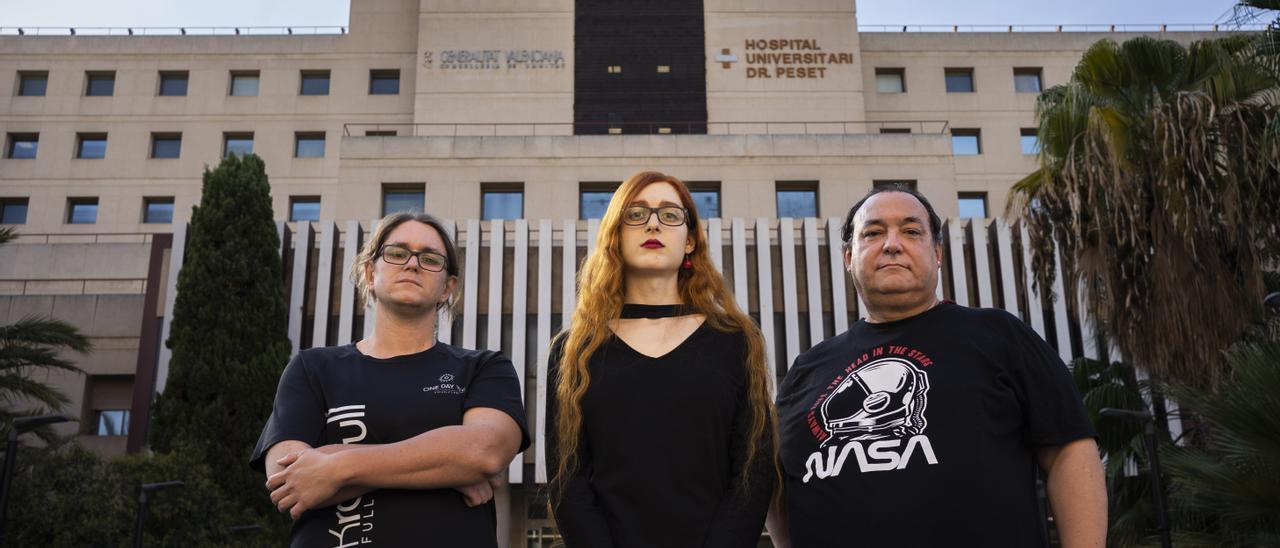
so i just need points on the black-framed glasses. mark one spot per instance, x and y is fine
(667, 215)
(399, 255)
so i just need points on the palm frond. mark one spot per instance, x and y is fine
(44, 331)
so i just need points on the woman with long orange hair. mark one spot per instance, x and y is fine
(660, 425)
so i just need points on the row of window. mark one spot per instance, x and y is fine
(795, 199)
(241, 83)
(968, 141)
(25, 146)
(958, 79)
(84, 210)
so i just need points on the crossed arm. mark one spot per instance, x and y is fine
(468, 457)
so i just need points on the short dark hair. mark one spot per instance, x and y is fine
(935, 223)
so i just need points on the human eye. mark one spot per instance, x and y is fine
(672, 215)
(635, 214)
(397, 253)
(431, 260)
(871, 233)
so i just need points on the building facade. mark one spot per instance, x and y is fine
(532, 111)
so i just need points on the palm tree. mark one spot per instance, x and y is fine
(29, 346)
(1159, 185)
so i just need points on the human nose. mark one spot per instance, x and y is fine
(892, 242)
(651, 222)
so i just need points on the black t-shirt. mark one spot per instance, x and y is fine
(338, 395)
(923, 432)
(663, 449)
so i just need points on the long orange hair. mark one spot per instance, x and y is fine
(600, 295)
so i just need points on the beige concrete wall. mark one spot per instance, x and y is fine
(994, 108)
(551, 168)
(412, 36)
(135, 111)
(111, 322)
(455, 92)
(786, 90)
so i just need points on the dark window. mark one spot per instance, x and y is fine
(314, 82)
(244, 83)
(157, 210)
(100, 84)
(13, 211)
(891, 80)
(384, 82)
(593, 199)
(237, 143)
(797, 199)
(166, 145)
(1030, 141)
(973, 205)
(1027, 80)
(959, 80)
(380, 133)
(91, 145)
(907, 183)
(397, 197)
(706, 197)
(966, 142)
(173, 83)
(112, 422)
(82, 211)
(501, 201)
(304, 208)
(308, 145)
(23, 146)
(32, 83)
(895, 130)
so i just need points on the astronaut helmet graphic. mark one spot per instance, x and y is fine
(883, 399)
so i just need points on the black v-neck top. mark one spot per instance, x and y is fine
(663, 448)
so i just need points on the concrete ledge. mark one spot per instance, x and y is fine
(643, 146)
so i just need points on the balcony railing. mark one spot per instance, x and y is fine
(173, 31)
(936, 127)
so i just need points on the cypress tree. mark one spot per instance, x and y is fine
(228, 333)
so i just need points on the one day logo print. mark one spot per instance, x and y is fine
(875, 412)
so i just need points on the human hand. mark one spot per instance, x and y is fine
(480, 493)
(308, 479)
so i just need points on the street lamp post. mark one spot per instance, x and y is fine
(11, 458)
(1153, 461)
(142, 506)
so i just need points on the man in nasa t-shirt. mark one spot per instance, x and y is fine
(924, 423)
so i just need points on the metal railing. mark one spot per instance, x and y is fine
(339, 30)
(500, 129)
(1161, 27)
(174, 31)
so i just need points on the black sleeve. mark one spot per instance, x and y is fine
(739, 518)
(1052, 409)
(581, 521)
(496, 386)
(298, 413)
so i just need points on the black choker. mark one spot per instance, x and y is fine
(651, 311)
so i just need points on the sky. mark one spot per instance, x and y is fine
(299, 13)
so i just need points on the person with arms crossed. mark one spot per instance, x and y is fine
(923, 424)
(398, 439)
(660, 424)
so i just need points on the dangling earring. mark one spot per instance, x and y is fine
(687, 264)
